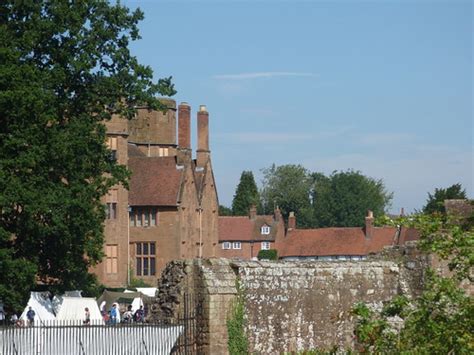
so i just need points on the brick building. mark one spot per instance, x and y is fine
(170, 210)
(242, 237)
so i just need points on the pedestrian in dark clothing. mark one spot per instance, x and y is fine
(87, 319)
(30, 315)
(139, 315)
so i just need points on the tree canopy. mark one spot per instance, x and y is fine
(246, 195)
(65, 67)
(288, 187)
(435, 202)
(338, 200)
(343, 198)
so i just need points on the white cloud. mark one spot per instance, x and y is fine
(245, 76)
(264, 137)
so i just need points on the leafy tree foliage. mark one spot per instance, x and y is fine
(65, 67)
(343, 198)
(225, 211)
(441, 320)
(246, 195)
(435, 202)
(288, 187)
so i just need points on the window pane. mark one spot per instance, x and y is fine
(146, 222)
(114, 210)
(153, 217)
(145, 266)
(152, 249)
(139, 248)
(139, 218)
(152, 267)
(145, 248)
(132, 219)
(139, 267)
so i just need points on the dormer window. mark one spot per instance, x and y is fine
(265, 230)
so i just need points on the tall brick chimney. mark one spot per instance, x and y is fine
(369, 224)
(291, 221)
(184, 126)
(184, 133)
(202, 153)
(253, 212)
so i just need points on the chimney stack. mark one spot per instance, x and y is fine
(369, 224)
(253, 212)
(184, 126)
(291, 221)
(203, 136)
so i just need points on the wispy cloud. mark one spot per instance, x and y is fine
(257, 75)
(267, 137)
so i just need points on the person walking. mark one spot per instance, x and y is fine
(113, 314)
(30, 315)
(87, 319)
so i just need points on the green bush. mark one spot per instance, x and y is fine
(267, 254)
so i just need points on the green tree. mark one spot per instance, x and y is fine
(435, 202)
(246, 195)
(289, 188)
(343, 198)
(225, 211)
(65, 67)
(441, 319)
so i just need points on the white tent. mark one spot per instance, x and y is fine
(149, 291)
(41, 304)
(73, 309)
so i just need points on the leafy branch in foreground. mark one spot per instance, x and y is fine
(441, 319)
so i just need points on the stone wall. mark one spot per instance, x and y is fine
(290, 306)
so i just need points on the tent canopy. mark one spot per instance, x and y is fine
(42, 305)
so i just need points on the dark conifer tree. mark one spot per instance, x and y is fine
(246, 195)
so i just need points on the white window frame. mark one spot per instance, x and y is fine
(265, 230)
(226, 245)
(236, 245)
(265, 246)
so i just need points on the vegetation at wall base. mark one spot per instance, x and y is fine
(237, 339)
(441, 319)
(270, 254)
(65, 68)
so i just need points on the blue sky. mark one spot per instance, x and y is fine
(384, 87)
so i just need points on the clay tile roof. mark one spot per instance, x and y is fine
(133, 151)
(324, 242)
(235, 228)
(381, 237)
(155, 181)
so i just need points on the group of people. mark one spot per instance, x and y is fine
(114, 316)
(30, 319)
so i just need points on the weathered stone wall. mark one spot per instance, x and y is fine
(300, 306)
(290, 306)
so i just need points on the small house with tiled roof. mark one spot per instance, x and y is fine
(170, 209)
(242, 237)
(343, 243)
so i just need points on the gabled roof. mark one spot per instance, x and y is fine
(242, 228)
(341, 241)
(323, 242)
(155, 181)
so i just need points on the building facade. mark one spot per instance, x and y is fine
(242, 237)
(170, 210)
